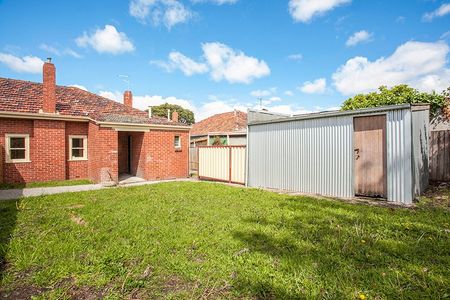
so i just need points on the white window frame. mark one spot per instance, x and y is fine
(179, 141)
(85, 147)
(8, 137)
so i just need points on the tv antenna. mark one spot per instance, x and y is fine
(125, 78)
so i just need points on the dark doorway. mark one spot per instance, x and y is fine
(129, 145)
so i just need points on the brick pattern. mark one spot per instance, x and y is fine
(153, 155)
(76, 169)
(162, 160)
(128, 98)
(47, 150)
(49, 88)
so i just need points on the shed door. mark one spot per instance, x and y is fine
(370, 156)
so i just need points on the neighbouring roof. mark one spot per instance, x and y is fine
(235, 121)
(26, 97)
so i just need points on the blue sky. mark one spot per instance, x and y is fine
(215, 55)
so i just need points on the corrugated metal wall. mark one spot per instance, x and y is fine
(238, 164)
(399, 163)
(311, 156)
(315, 156)
(421, 156)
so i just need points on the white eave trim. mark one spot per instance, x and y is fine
(43, 116)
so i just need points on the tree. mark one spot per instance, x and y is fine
(399, 94)
(185, 116)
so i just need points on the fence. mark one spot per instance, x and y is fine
(222, 163)
(440, 155)
(193, 159)
(1, 164)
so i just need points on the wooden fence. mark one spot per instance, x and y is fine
(193, 159)
(440, 155)
(222, 163)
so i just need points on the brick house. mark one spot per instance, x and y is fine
(50, 132)
(229, 127)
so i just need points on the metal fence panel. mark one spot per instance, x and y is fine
(222, 163)
(238, 164)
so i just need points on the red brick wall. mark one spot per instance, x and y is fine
(162, 160)
(154, 155)
(76, 169)
(102, 153)
(47, 150)
(16, 173)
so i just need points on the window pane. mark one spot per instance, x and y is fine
(78, 153)
(77, 143)
(17, 142)
(17, 154)
(177, 141)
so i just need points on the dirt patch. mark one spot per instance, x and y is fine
(78, 220)
(76, 206)
(437, 195)
(22, 292)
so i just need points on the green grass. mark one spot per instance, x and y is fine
(5, 186)
(191, 240)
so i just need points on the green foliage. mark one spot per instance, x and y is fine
(184, 115)
(218, 140)
(399, 94)
(192, 240)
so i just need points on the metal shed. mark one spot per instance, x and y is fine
(377, 152)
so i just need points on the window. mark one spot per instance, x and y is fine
(77, 147)
(17, 148)
(177, 142)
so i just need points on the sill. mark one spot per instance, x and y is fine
(178, 150)
(77, 159)
(18, 161)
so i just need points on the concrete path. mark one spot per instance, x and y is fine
(33, 192)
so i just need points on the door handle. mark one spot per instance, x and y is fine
(356, 153)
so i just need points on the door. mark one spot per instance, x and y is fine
(370, 156)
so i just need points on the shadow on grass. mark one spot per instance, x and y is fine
(8, 219)
(336, 250)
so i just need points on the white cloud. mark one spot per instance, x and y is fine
(421, 65)
(218, 2)
(107, 40)
(223, 63)
(167, 12)
(317, 86)
(116, 96)
(231, 65)
(359, 37)
(179, 61)
(305, 10)
(26, 64)
(289, 93)
(81, 87)
(295, 57)
(443, 10)
(58, 52)
(260, 93)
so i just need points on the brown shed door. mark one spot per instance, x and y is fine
(370, 156)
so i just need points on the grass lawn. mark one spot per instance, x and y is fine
(191, 240)
(5, 186)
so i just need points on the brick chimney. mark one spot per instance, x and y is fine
(128, 98)
(175, 117)
(49, 87)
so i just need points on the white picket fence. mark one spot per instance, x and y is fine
(222, 163)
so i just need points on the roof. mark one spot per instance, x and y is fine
(26, 97)
(228, 122)
(338, 113)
